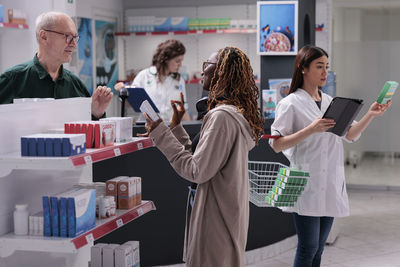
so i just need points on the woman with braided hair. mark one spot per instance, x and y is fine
(219, 220)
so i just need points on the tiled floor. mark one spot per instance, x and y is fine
(371, 235)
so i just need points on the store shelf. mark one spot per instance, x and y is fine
(13, 25)
(192, 32)
(15, 161)
(10, 242)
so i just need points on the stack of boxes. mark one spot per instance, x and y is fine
(114, 255)
(98, 133)
(288, 186)
(16, 16)
(127, 191)
(53, 145)
(70, 213)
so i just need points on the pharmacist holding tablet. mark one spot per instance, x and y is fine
(307, 145)
(162, 80)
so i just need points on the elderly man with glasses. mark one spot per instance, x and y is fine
(45, 76)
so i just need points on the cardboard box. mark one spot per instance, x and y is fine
(108, 255)
(81, 211)
(123, 128)
(123, 256)
(96, 255)
(135, 252)
(127, 193)
(112, 187)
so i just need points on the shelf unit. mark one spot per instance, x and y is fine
(10, 242)
(15, 161)
(14, 25)
(220, 31)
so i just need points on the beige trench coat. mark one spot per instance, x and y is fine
(220, 215)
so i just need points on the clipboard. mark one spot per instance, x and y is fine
(136, 97)
(343, 111)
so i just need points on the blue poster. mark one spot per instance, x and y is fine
(106, 54)
(85, 52)
(277, 27)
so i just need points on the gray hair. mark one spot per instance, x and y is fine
(47, 21)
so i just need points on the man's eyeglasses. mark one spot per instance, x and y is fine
(68, 37)
(206, 64)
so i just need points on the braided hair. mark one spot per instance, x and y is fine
(233, 83)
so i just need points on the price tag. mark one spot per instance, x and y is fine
(117, 151)
(140, 146)
(1, 25)
(20, 26)
(88, 159)
(140, 211)
(119, 222)
(89, 238)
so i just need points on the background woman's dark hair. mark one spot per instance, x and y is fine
(165, 51)
(233, 83)
(305, 56)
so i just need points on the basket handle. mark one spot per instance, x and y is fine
(267, 136)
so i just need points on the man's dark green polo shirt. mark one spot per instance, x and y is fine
(31, 80)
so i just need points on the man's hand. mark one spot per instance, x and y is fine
(101, 98)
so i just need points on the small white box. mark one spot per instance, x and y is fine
(96, 255)
(123, 256)
(123, 128)
(135, 252)
(108, 255)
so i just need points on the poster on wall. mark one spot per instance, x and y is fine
(106, 54)
(269, 103)
(85, 52)
(281, 86)
(277, 27)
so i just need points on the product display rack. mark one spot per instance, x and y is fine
(15, 161)
(10, 242)
(13, 25)
(26, 179)
(219, 31)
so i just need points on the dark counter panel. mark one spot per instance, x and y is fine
(161, 232)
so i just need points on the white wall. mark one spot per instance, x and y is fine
(366, 42)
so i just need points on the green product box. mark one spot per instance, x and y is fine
(193, 24)
(203, 24)
(387, 92)
(291, 172)
(277, 203)
(282, 198)
(289, 190)
(224, 23)
(291, 180)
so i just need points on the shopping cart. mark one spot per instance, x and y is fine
(262, 177)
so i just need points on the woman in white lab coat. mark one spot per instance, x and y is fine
(307, 145)
(162, 80)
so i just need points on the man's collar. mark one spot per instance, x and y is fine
(43, 72)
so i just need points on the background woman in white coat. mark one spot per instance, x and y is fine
(162, 80)
(307, 145)
(217, 232)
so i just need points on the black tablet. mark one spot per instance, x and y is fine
(343, 111)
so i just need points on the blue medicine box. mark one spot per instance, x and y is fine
(179, 24)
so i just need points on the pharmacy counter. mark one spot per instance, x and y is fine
(161, 232)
